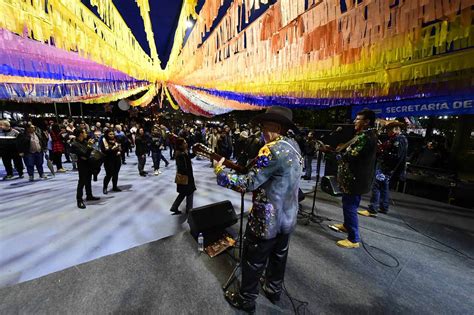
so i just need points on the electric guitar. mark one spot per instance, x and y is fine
(202, 150)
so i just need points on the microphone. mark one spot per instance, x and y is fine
(338, 129)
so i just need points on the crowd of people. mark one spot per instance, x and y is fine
(272, 148)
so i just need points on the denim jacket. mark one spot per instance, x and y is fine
(274, 181)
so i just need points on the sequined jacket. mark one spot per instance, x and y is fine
(356, 166)
(274, 181)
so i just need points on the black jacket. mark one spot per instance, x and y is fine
(141, 145)
(83, 152)
(356, 169)
(185, 167)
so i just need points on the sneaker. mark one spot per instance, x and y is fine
(8, 177)
(367, 213)
(44, 176)
(61, 170)
(338, 228)
(156, 173)
(384, 211)
(347, 244)
(21, 176)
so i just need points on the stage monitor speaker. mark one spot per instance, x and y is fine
(329, 185)
(211, 219)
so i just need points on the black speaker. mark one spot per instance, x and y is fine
(329, 185)
(211, 220)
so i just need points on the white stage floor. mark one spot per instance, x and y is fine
(43, 231)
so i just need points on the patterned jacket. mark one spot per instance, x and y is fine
(274, 181)
(356, 167)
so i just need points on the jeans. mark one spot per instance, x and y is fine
(32, 160)
(180, 198)
(308, 162)
(380, 195)
(350, 204)
(256, 254)
(157, 157)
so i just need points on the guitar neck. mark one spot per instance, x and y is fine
(236, 167)
(208, 153)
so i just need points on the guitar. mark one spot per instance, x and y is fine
(202, 150)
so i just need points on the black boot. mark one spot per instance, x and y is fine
(116, 189)
(236, 300)
(104, 190)
(92, 198)
(80, 204)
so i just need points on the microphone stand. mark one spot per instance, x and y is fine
(313, 216)
(237, 269)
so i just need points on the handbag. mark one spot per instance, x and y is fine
(181, 179)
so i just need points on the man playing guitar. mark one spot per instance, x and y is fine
(274, 181)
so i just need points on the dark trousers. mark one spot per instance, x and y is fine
(7, 158)
(122, 155)
(141, 162)
(34, 159)
(56, 157)
(258, 254)
(308, 164)
(67, 150)
(180, 198)
(171, 152)
(350, 204)
(85, 180)
(112, 169)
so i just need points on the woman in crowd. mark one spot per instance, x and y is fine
(82, 148)
(184, 167)
(112, 160)
(57, 148)
(141, 144)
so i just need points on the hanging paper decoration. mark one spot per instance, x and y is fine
(187, 10)
(145, 99)
(168, 96)
(322, 53)
(71, 26)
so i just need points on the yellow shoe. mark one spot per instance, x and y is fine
(367, 213)
(347, 244)
(338, 228)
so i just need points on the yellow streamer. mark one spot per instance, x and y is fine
(172, 103)
(145, 99)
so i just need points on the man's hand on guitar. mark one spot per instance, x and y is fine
(220, 163)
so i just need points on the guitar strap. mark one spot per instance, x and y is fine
(296, 151)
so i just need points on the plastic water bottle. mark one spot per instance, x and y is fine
(200, 242)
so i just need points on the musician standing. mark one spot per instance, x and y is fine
(274, 181)
(356, 169)
(391, 163)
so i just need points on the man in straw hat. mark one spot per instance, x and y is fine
(274, 181)
(391, 162)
